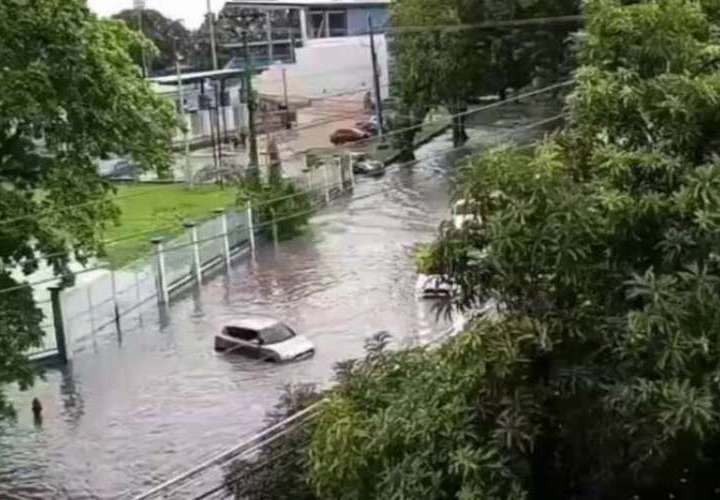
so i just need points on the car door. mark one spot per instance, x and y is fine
(248, 341)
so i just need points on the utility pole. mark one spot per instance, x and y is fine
(253, 152)
(181, 97)
(211, 25)
(140, 7)
(376, 81)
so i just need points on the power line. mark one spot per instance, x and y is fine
(509, 23)
(232, 452)
(295, 215)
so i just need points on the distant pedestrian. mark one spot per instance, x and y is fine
(37, 410)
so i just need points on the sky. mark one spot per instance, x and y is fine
(191, 12)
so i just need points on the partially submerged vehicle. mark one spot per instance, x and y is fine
(433, 286)
(466, 214)
(263, 338)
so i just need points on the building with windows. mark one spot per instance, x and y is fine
(314, 48)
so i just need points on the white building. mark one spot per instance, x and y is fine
(323, 45)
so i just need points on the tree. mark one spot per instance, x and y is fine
(167, 36)
(436, 66)
(71, 94)
(598, 379)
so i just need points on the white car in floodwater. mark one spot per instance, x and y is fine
(433, 286)
(465, 214)
(263, 338)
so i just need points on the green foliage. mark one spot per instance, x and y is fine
(440, 67)
(166, 36)
(71, 94)
(599, 379)
(415, 424)
(280, 201)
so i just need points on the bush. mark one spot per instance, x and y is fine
(278, 200)
(281, 469)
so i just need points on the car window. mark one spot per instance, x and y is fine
(276, 334)
(241, 333)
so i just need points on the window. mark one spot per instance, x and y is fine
(276, 334)
(328, 23)
(317, 25)
(241, 333)
(337, 23)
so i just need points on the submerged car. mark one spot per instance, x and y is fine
(263, 338)
(465, 215)
(433, 286)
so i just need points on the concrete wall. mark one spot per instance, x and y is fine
(328, 66)
(357, 19)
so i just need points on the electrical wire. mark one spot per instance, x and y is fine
(295, 215)
(356, 143)
(509, 23)
(235, 451)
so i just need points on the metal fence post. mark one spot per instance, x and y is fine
(274, 228)
(327, 183)
(251, 227)
(351, 167)
(59, 324)
(88, 291)
(220, 212)
(192, 227)
(339, 177)
(162, 285)
(115, 299)
(138, 296)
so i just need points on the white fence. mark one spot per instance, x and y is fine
(106, 300)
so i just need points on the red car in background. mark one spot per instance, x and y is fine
(345, 135)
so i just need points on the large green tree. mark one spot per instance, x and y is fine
(71, 94)
(166, 34)
(438, 65)
(599, 378)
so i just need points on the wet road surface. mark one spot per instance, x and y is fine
(133, 410)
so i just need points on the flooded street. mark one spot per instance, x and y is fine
(133, 410)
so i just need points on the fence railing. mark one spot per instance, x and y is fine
(105, 300)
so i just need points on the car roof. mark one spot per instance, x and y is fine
(254, 322)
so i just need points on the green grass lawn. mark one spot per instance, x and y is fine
(158, 210)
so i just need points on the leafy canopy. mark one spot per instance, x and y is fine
(70, 95)
(600, 377)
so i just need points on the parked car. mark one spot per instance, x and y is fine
(465, 215)
(345, 135)
(433, 286)
(372, 168)
(370, 126)
(263, 338)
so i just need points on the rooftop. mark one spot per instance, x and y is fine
(254, 322)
